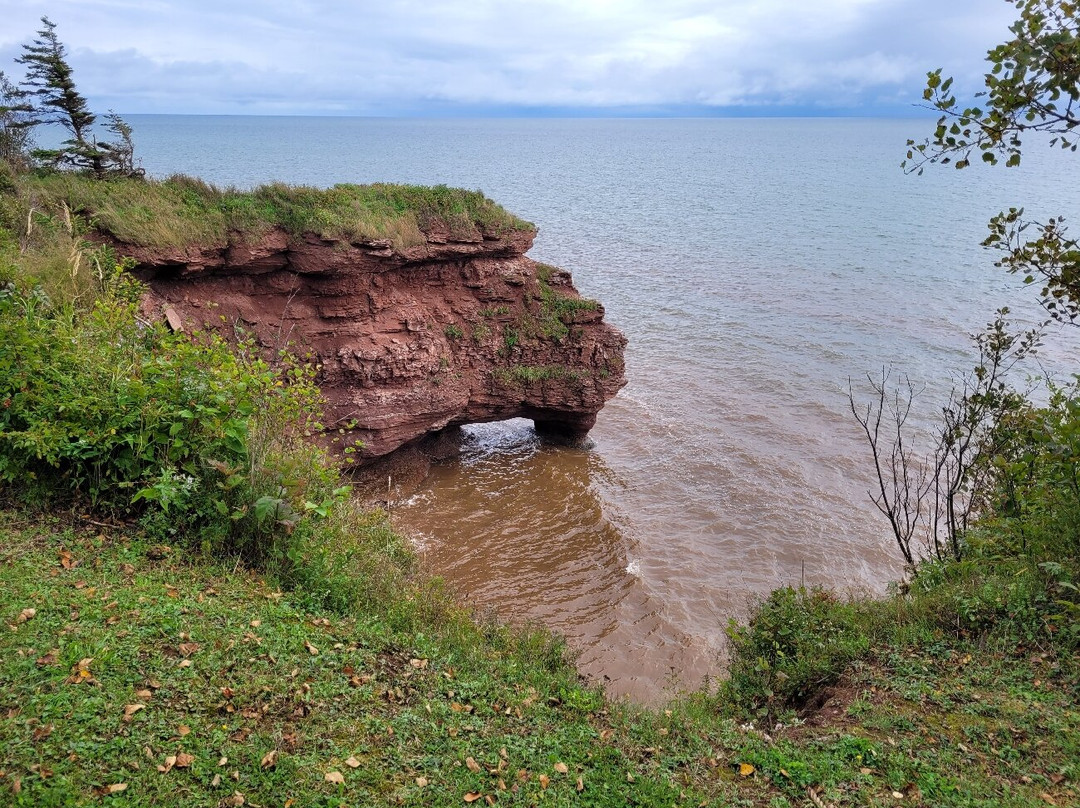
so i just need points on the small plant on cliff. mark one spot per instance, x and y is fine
(453, 331)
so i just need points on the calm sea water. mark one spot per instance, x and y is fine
(755, 265)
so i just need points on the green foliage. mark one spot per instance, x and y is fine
(181, 210)
(529, 374)
(15, 138)
(49, 96)
(556, 310)
(1032, 86)
(796, 642)
(453, 331)
(205, 439)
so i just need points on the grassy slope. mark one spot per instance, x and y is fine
(182, 210)
(228, 668)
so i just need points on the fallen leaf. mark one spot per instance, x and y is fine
(419, 664)
(183, 730)
(269, 760)
(1047, 799)
(352, 762)
(473, 766)
(223, 761)
(188, 648)
(562, 768)
(49, 658)
(335, 777)
(66, 560)
(421, 781)
(898, 795)
(235, 801)
(216, 781)
(580, 784)
(131, 709)
(170, 761)
(184, 663)
(311, 648)
(490, 800)
(746, 769)
(184, 760)
(544, 781)
(473, 796)
(116, 788)
(256, 623)
(25, 614)
(172, 591)
(41, 733)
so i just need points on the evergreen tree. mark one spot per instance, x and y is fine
(50, 85)
(15, 113)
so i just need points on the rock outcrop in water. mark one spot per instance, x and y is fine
(410, 340)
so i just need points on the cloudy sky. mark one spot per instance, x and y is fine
(436, 57)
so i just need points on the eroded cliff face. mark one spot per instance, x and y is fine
(410, 341)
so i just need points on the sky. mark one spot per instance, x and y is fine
(511, 57)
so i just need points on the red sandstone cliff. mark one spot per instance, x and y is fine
(412, 340)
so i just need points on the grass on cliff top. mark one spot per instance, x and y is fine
(129, 676)
(182, 211)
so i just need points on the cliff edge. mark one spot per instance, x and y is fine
(455, 327)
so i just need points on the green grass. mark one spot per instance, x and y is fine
(399, 695)
(182, 211)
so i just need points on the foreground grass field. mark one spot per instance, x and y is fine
(132, 675)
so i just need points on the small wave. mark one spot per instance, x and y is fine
(634, 568)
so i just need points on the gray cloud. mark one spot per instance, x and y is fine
(366, 57)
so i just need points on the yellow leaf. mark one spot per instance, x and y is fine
(746, 769)
(116, 788)
(335, 777)
(544, 781)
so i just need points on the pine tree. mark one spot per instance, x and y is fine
(50, 85)
(15, 114)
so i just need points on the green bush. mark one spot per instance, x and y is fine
(796, 642)
(202, 439)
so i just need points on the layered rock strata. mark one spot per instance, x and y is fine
(410, 340)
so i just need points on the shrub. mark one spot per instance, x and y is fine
(202, 439)
(796, 642)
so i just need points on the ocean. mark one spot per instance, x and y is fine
(756, 266)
